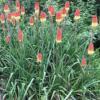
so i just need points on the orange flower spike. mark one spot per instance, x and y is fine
(39, 57)
(31, 21)
(59, 17)
(22, 10)
(59, 35)
(83, 62)
(13, 21)
(37, 8)
(90, 49)
(7, 39)
(17, 16)
(94, 21)
(67, 5)
(51, 11)
(18, 5)
(2, 18)
(77, 14)
(63, 12)
(6, 8)
(43, 16)
(20, 35)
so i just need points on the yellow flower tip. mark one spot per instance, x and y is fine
(31, 24)
(63, 15)
(76, 18)
(22, 13)
(43, 20)
(58, 41)
(58, 21)
(94, 25)
(37, 12)
(6, 11)
(67, 9)
(39, 61)
(90, 52)
(17, 18)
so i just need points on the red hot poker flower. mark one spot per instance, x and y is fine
(43, 16)
(59, 17)
(90, 49)
(67, 5)
(17, 5)
(2, 18)
(22, 10)
(77, 14)
(31, 21)
(63, 12)
(37, 8)
(11, 18)
(17, 16)
(6, 8)
(39, 57)
(20, 35)
(59, 35)
(7, 39)
(51, 11)
(94, 21)
(83, 62)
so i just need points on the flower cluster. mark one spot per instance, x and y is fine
(14, 17)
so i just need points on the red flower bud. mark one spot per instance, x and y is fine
(37, 8)
(59, 35)
(90, 49)
(43, 17)
(67, 5)
(83, 62)
(77, 14)
(59, 17)
(51, 10)
(31, 21)
(17, 16)
(17, 5)
(94, 21)
(63, 12)
(6, 8)
(22, 10)
(39, 57)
